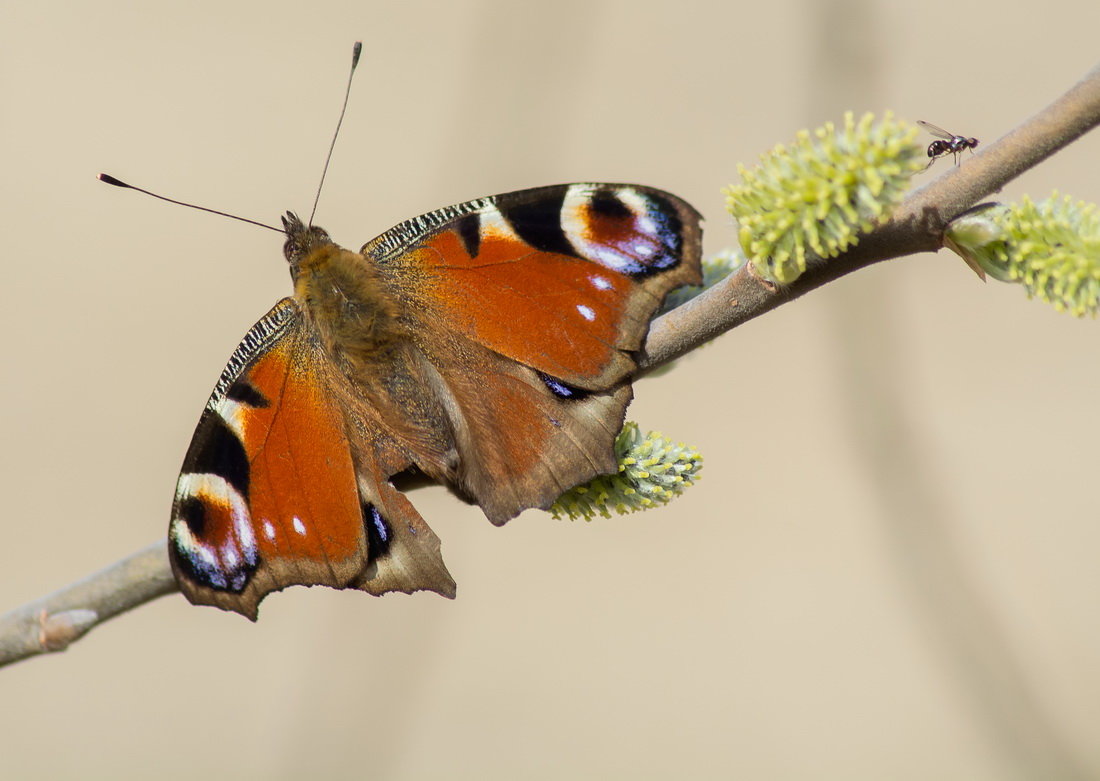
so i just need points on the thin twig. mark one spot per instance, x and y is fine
(54, 622)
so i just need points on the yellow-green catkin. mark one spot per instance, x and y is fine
(1052, 248)
(817, 195)
(652, 471)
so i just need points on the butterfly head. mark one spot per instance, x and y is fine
(301, 240)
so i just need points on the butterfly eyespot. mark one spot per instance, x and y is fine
(562, 390)
(378, 532)
(211, 534)
(625, 229)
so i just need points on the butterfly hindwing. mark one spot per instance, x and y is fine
(523, 438)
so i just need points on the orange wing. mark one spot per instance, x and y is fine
(273, 493)
(562, 279)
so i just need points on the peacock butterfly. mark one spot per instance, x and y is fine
(485, 345)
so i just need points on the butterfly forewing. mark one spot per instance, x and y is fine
(268, 496)
(562, 279)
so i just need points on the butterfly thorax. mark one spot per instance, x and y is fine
(343, 296)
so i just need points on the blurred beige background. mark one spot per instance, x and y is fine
(889, 569)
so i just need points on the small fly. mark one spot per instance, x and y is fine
(946, 143)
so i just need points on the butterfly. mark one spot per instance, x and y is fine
(487, 345)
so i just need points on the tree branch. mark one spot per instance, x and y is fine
(54, 622)
(917, 225)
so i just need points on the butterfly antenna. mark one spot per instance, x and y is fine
(356, 50)
(108, 179)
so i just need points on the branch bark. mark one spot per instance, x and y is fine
(60, 619)
(55, 621)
